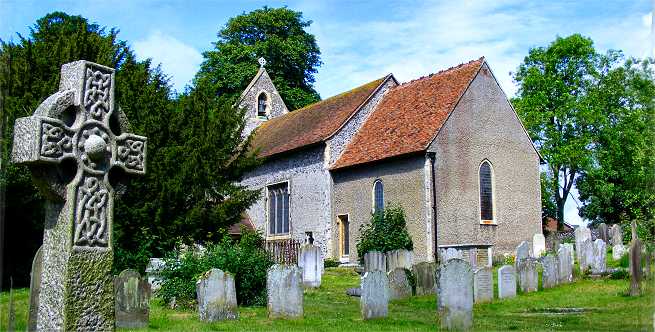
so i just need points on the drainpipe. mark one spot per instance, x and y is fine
(432, 157)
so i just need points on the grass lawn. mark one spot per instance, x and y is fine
(607, 308)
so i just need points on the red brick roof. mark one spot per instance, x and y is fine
(409, 116)
(311, 124)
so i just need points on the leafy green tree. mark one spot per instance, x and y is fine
(387, 231)
(554, 103)
(276, 34)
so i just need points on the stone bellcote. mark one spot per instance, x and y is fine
(261, 100)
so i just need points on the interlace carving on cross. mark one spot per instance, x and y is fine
(79, 124)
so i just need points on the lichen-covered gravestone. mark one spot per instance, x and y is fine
(132, 300)
(570, 249)
(522, 252)
(550, 275)
(586, 254)
(455, 295)
(77, 147)
(399, 258)
(599, 255)
(374, 300)
(528, 275)
(483, 285)
(616, 235)
(581, 233)
(506, 282)
(285, 292)
(424, 276)
(538, 245)
(311, 262)
(217, 296)
(603, 232)
(375, 261)
(564, 265)
(635, 263)
(399, 287)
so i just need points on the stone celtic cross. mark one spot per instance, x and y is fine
(78, 149)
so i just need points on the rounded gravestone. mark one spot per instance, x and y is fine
(455, 295)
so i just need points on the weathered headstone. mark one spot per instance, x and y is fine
(311, 262)
(285, 292)
(483, 285)
(374, 300)
(528, 275)
(375, 261)
(582, 233)
(455, 295)
(399, 287)
(451, 253)
(217, 296)
(400, 258)
(586, 254)
(550, 275)
(35, 286)
(603, 232)
(616, 234)
(77, 147)
(132, 300)
(153, 273)
(424, 276)
(635, 263)
(570, 249)
(522, 251)
(506, 282)
(564, 265)
(538, 245)
(618, 251)
(599, 256)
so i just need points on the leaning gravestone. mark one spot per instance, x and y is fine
(399, 287)
(602, 232)
(582, 233)
(455, 295)
(132, 300)
(528, 275)
(35, 284)
(522, 251)
(616, 235)
(483, 285)
(285, 292)
(399, 258)
(77, 147)
(506, 282)
(538, 245)
(217, 296)
(424, 275)
(311, 262)
(564, 265)
(635, 263)
(374, 300)
(599, 256)
(550, 275)
(375, 261)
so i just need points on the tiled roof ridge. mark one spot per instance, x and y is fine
(443, 71)
(381, 79)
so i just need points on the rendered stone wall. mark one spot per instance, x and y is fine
(249, 101)
(483, 126)
(309, 192)
(403, 181)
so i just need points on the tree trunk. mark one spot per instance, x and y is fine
(560, 209)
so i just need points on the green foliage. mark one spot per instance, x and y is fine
(278, 35)
(387, 231)
(331, 262)
(246, 260)
(620, 274)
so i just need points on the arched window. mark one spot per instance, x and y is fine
(262, 103)
(486, 193)
(378, 196)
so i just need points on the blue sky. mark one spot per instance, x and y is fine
(364, 40)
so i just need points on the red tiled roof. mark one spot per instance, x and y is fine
(311, 124)
(409, 116)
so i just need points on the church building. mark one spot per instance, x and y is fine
(448, 148)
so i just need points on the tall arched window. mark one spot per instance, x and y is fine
(378, 196)
(262, 103)
(486, 193)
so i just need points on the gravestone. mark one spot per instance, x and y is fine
(582, 233)
(616, 234)
(77, 147)
(311, 262)
(599, 256)
(483, 285)
(635, 263)
(564, 265)
(217, 296)
(399, 287)
(132, 300)
(603, 232)
(455, 295)
(538, 245)
(451, 253)
(570, 250)
(153, 273)
(35, 284)
(506, 282)
(522, 251)
(586, 254)
(528, 275)
(424, 276)
(550, 275)
(375, 261)
(285, 292)
(400, 258)
(618, 251)
(374, 299)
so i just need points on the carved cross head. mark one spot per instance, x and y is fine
(79, 150)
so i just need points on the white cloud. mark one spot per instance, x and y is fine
(179, 60)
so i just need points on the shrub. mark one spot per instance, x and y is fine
(246, 260)
(331, 262)
(619, 274)
(387, 231)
